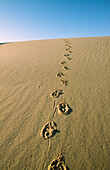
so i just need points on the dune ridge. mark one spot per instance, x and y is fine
(27, 78)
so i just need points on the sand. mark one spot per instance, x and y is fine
(28, 77)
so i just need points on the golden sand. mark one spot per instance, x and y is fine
(28, 77)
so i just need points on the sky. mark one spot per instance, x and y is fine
(24, 20)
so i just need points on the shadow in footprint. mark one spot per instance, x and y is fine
(59, 74)
(67, 168)
(64, 108)
(67, 49)
(56, 93)
(70, 110)
(66, 41)
(49, 130)
(58, 164)
(67, 54)
(63, 62)
(68, 46)
(69, 58)
(66, 68)
(65, 82)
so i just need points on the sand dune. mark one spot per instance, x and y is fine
(30, 74)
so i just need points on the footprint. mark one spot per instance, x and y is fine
(59, 74)
(66, 41)
(67, 54)
(63, 62)
(69, 58)
(66, 68)
(56, 93)
(65, 82)
(58, 164)
(63, 108)
(49, 130)
(67, 49)
(68, 46)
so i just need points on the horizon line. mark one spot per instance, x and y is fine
(3, 42)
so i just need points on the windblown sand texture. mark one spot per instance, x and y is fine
(27, 79)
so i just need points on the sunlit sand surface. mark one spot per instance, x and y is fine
(79, 137)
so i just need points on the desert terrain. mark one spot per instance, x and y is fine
(55, 103)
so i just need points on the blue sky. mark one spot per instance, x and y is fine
(23, 20)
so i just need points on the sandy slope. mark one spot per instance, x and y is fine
(28, 76)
